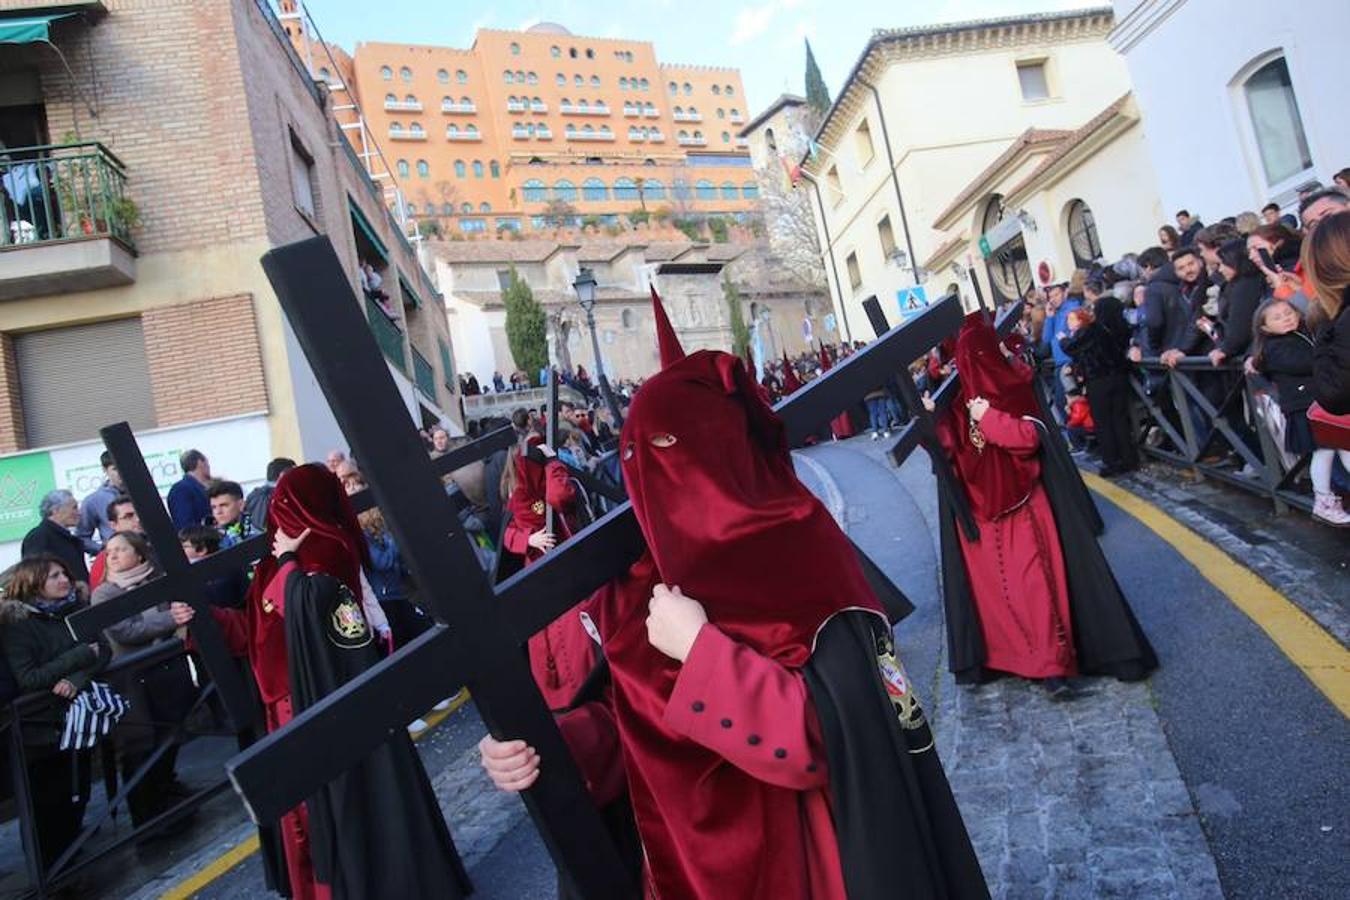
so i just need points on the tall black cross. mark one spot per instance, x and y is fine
(480, 627)
(183, 580)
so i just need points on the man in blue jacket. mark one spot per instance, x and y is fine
(188, 503)
(1057, 309)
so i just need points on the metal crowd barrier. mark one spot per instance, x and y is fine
(1202, 412)
(44, 880)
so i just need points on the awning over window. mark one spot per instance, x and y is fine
(30, 29)
(363, 224)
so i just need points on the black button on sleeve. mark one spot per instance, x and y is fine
(753, 739)
(698, 706)
(726, 723)
(780, 753)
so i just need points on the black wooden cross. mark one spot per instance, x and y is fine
(480, 627)
(183, 581)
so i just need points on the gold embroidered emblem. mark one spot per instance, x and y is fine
(349, 622)
(898, 688)
(537, 507)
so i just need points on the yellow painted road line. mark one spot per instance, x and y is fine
(1298, 636)
(248, 846)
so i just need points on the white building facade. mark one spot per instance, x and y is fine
(1243, 101)
(924, 112)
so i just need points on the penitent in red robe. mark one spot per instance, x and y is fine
(561, 655)
(1016, 570)
(756, 723)
(258, 632)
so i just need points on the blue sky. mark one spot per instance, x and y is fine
(763, 38)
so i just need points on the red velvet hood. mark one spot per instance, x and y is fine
(310, 496)
(995, 480)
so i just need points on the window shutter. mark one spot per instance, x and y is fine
(76, 380)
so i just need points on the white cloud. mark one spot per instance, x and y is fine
(529, 23)
(751, 22)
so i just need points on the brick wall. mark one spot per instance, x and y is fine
(11, 406)
(204, 360)
(168, 94)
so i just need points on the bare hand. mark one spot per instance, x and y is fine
(542, 540)
(1249, 366)
(1170, 358)
(927, 401)
(283, 543)
(64, 688)
(1216, 357)
(182, 613)
(673, 621)
(512, 765)
(1135, 355)
(978, 407)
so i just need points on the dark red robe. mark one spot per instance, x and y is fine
(751, 721)
(1016, 569)
(562, 654)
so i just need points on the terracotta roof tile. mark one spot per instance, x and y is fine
(1073, 140)
(1031, 138)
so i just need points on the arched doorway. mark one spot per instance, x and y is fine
(1008, 268)
(1083, 240)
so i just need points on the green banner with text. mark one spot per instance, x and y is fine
(23, 482)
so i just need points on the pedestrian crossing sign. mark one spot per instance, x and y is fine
(912, 300)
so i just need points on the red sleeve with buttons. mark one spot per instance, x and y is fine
(767, 726)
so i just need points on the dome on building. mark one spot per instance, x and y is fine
(546, 28)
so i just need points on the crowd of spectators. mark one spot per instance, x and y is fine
(1251, 297)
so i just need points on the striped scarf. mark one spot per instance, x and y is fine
(92, 714)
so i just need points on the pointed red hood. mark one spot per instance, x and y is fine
(671, 351)
(790, 380)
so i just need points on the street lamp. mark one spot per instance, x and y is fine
(584, 285)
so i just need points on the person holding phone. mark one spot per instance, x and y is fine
(1274, 250)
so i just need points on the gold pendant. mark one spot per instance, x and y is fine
(977, 439)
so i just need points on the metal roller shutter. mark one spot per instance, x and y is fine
(76, 380)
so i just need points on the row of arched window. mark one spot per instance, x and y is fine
(461, 169)
(595, 190)
(405, 75)
(634, 107)
(718, 90)
(633, 84)
(519, 77)
(448, 209)
(604, 130)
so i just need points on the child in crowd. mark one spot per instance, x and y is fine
(1283, 350)
(1078, 423)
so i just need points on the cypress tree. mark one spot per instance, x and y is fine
(526, 327)
(817, 95)
(740, 332)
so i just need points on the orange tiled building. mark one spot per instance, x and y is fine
(484, 139)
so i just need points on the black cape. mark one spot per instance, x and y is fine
(377, 830)
(1106, 634)
(899, 831)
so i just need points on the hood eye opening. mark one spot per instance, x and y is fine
(628, 451)
(663, 440)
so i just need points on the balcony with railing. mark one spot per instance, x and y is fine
(538, 106)
(686, 141)
(637, 137)
(736, 118)
(520, 133)
(742, 142)
(543, 134)
(572, 109)
(423, 374)
(387, 334)
(655, 137)
(632, 112)
(65, 221)
(515, 106)
(454, 134)
(403, 105)
(590, 135)
(458, 109)
(682, 116)
(651, 112)
(410, 134)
